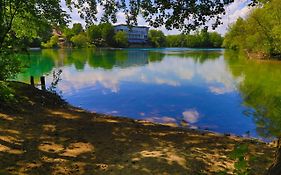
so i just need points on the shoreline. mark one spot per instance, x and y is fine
(184, 128)
(43, 134)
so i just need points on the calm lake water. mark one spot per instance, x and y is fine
(208, 89)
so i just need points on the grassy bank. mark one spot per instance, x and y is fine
(41, 134)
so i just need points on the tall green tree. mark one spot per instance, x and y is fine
(107, 33)
(52, 43)
(101, 34)
(80, 40)
(121, 39)
(259, 33)
(22, 20)
(77, 28)
(94, 34)
(157, 38)
(199, 39)
(20, 17)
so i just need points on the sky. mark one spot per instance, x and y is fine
(235, 10)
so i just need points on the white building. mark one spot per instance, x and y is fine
(136, 34)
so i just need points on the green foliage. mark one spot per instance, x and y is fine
(25, 19)
(233, 38)
(259, 33)
(199, 39)
(67, 33)
(52, 43)
(101, 35)
(157, 38)
(77, 28)
(95, 35)
(121, 39)
(6, 93)
(80, 40)
(175, 40)
(241, 164)
(184, 15)
(107, 32)
(10, 65)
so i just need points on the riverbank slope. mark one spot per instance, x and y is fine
(41, 134)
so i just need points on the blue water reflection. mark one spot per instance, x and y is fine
(190, 86)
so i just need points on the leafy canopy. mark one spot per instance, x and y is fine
(156, 38)
(25, 18)
(260, 32)
(180, 14)
(121, 39)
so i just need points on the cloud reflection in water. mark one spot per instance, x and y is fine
(191, 116)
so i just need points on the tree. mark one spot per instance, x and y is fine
(101, 35)
(259, 33)
(183, 14)
(204, 37)
(199, 39)
(157, 38)
(22, 20)
(94, 34)
(193, 41)
(121, 39)
(80, 40)
(234, 38)
(19, 16)
(77, 28)
(52, 43)
(171, 40)
(216, 40)
(107, 33)
(10, 65)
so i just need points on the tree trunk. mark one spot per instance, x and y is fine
(275, 168)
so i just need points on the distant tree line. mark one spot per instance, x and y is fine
(260, 34)
(202, 39)
(103, 35)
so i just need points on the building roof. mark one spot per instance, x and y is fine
(132, 26)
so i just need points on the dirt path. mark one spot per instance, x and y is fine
(44, 135)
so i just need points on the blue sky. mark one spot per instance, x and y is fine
(237, 9)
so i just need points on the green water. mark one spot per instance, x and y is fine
(218, 90)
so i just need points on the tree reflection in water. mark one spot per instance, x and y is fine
(260, 90)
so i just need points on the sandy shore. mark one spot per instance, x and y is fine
(41, 134)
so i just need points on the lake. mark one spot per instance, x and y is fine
(209, 89)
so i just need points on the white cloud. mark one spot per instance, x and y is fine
(219, 90)
(165, 120)
(239, 8)
(165, 72)
(191, 116)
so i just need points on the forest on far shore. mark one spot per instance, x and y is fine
(103, 35)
